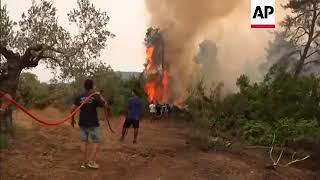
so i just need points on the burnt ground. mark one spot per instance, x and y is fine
(39, 152)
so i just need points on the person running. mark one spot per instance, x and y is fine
(152, 108)
(89, 123)
(134, 112)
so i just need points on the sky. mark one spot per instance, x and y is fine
(128, 21)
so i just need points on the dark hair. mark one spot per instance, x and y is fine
(88, 84)
(135, 91)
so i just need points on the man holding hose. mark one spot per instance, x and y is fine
(89, 123)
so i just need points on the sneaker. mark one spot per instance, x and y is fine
(93, 165)
(84, 165)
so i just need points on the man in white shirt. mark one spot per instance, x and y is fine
(152, 108)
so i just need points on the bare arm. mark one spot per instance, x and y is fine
(73, 121)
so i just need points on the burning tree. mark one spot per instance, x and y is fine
(156, 70)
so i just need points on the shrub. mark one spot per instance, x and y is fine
(284, 106)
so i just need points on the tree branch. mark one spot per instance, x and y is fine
(312, 53)
(317, 61)
(54, 50)
(298, 16)
(298, 37)
(49, 57)
(297, 160)
(315, 36)
(31, 60)
(296, 31)
(8, 54)
(28, 55)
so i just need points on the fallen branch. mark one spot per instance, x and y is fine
(277, 163)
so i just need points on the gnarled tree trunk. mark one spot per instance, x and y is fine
(9, 84)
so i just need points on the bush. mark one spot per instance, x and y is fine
(283, 105)
(32, 92)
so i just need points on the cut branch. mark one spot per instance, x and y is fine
(277, 163)
(297, 160)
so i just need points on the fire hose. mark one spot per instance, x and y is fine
(58, 122)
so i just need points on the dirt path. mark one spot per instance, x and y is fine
(161, 154)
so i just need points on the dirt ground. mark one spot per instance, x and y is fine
(39, 152)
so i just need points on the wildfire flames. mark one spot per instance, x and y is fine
(157, 83)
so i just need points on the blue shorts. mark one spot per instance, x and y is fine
(131, 122)
(93, 132)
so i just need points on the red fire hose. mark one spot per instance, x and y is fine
(58, 122)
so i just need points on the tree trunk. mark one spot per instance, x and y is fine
(304, 55)
(299, 66)
(10, 86)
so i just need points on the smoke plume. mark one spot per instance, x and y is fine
(187, 23)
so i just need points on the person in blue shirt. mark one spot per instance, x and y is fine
(135, 107)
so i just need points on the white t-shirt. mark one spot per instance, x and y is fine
(152, 108)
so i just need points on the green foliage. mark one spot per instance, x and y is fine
(32, 92)
(5, 25)
(38, 37)
(283, 105)
(256, 131)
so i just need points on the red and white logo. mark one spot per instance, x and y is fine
(263, 14)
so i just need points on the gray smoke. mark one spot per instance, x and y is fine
(183, 22)
(186, 23)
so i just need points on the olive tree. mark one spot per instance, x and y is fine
(38, 37)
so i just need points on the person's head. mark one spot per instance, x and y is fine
(88, 84)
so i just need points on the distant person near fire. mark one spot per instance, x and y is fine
(152, 108)
(89, 123)
(164, 109)
(158, 110)
(134, 112)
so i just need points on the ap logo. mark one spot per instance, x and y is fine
(263, 14)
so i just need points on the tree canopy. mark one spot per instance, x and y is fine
(38, 37)
(302, 28)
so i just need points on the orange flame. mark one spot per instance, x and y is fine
(149, 58)
(157, 90)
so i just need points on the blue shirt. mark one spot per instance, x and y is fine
(134, 108)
